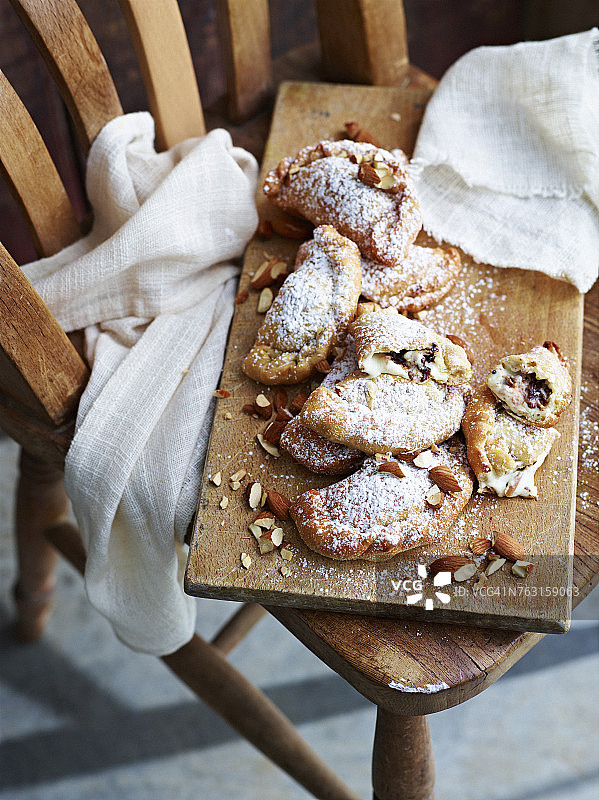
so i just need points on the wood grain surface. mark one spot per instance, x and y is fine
(497, 312)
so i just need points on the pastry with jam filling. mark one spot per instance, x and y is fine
(504, 452)
(535, 386)
(392, 344)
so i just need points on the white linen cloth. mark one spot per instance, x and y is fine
(507, 158)
(153, 285)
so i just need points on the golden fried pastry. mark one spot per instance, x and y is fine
(311, 312)
(504, 452)
(313, 451)
(535, 386)
(395, 345)
(420, 280)
(385, 414)
(375, 514)
(361, 190)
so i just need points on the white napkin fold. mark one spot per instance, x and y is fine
(153, 285)
(507, 157)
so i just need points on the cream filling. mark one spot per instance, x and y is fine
(378, 364)
(521, 481)
(515, 398)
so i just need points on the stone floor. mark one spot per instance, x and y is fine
(83, 717)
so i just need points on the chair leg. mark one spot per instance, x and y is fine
(208, 673)
(402, 759)
(40, 503)
(235, 629)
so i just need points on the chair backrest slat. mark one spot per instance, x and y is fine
(160, 42)
(245, 39)
(363, 41)
(75, 61)
(27, 167)
(33, 347)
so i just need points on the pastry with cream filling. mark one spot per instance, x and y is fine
(375, 514)
(311, 312)
(363, 191)
(418, 281)
(503, 451)
(385, 414)
(392, 344)
(535, 386)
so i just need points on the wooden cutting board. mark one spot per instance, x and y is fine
(496, 311)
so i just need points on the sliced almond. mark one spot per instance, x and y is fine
(228, 415)
(435, 498)
(262, 401)
(368, 174)
(423, 460)
(482, 579)
(265, 300)
(444, 478)
(286, 551)
(279, 269)
(393, 468)
(507, 546)
(238, 476)
(371, 389)
(276, 536)
(221, 393)
(265, 544)
(224, 502)
(278, 504)
(495, 565)
(480, 545)
(235, 485)
(465, 572)
(285, 570)
(256, 530)
(271, 449)
(265, 520)
(522, 569)
(263, 275)
(217, 478)
(448, 564)
(246, 561)
(255, 495)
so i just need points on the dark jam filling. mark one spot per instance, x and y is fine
(419, 368)
(537, 392)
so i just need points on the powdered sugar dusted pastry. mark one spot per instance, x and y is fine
(504, 452)
(535, 386)
(311, 312)
(374, 514)
(385, 414)
(420, 280)
(313, 451)
(361, 190)
(395, 345)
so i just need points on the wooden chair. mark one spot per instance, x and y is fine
(38, 407)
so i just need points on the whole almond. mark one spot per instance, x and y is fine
(358, 134)
(508, 547)
(461, 343)
(278, 504)
(281, 398)
(479, 546)
(242, 297)
(273, 431)
(393, 468)
(263, 276)
(444, 478)
(297, 403)
(448, 564)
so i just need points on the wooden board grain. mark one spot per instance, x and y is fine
(497, 312)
